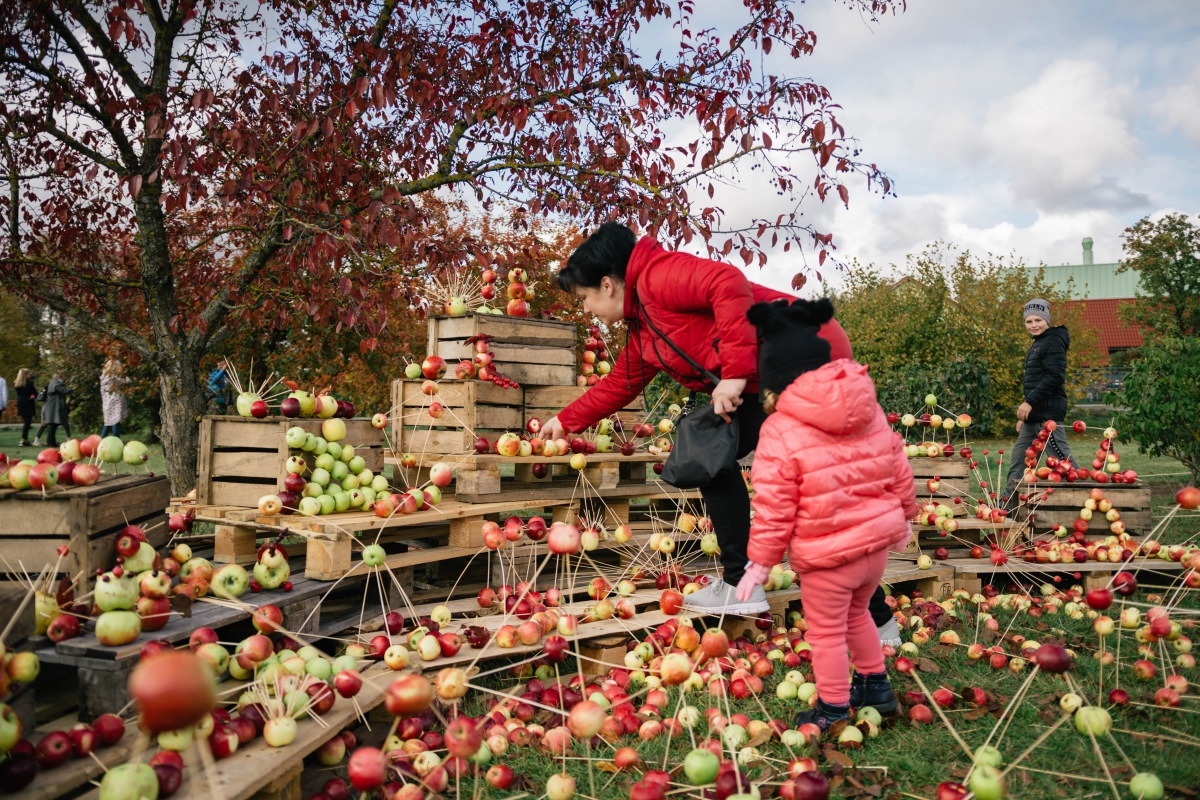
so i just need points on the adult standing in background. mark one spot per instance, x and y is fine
(112, 400)
(1045, 394)
(54, 412)
(218, 387)
(26, 397)
(701, 306)
(3, 395)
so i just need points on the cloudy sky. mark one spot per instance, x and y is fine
(1015, 127)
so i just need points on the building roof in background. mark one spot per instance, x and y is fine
(1092, 281)
(1102, 315)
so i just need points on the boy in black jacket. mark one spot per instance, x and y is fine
(1045, 393)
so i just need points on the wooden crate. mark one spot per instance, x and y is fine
(471, 409)
(533, 352)
(242, 458)
(86, 519)
(953, 474)
(544, 402)
(1062, 505)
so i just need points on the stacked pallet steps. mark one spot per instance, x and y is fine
(970, 574)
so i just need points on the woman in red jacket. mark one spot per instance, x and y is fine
(701, 306)
(832, 488)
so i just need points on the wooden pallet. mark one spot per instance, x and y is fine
(486, 479)
(104, 671)
(86, 519)
(67, 778)
(971, 574)
(971, 531)
(242, 458)
(535, 352)
(1062, 505)
(257, 767)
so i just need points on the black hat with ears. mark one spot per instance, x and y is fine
(788, 342)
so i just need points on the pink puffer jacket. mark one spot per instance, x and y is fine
(831, 481)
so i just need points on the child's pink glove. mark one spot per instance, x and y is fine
(755, 575)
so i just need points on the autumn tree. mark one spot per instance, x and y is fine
(950, 323)
(1166, 257)
(176, 167)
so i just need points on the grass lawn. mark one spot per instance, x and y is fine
(10, 438)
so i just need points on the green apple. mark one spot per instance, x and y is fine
(1146, 786)
(126, 781)
(700, 766)
(230, 581)
(986, 783)
(295, 436)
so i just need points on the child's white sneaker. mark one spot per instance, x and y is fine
(889, 633)
(718, 597)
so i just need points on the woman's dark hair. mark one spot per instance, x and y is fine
(605, 252)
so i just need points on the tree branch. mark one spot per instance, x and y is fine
(112, 54)
(214, 312)
(102, 325)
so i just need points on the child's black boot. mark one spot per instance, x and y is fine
(875, 691)
(822, 715)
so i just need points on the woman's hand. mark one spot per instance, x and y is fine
(552, 429)
(727, 396)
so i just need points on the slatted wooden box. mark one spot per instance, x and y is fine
(469, 409)
(533, 352)
(1062, 506)
(86, 519)
(242, 458)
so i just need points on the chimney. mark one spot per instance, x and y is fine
(1087, 251)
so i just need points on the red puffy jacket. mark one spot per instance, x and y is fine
(698, 304)
(831, 481)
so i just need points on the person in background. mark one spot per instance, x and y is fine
(218, 387)
(26, 398)
(112, 401)
(1045, 388)
(701, 306)
(833, 488)
(54, 412)
(3, 395)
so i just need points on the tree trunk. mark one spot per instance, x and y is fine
(182, 389)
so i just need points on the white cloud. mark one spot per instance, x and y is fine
(1065, 138)
(1179, 107)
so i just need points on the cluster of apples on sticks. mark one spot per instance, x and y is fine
(935, 420)
(595, 361)
(481, 366)
(75, 462)
(324, 475)
(457, 295)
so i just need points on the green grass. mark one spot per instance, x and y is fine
(909, 761)
(10, 438)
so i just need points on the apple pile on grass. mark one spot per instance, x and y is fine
(324, 475)
(594, 363)
(76, 462)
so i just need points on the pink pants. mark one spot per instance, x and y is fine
(835, 608)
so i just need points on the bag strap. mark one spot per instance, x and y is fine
(714, 379)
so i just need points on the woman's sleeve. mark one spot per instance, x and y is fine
(723, 290)
(610, 394)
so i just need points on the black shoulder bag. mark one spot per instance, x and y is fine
(704, 442)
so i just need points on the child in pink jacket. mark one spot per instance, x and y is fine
(833, 488)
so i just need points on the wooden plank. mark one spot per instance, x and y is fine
(244, 463)
(510, 354)
(1135, 520)
(235, 545)
(244, 493)
(502, 330)
(210, 614)
(541, 374)
(1122, 496)
(925, 467)
(61, 781)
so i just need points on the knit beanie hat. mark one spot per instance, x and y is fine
(788, 342)
(1038, 308)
